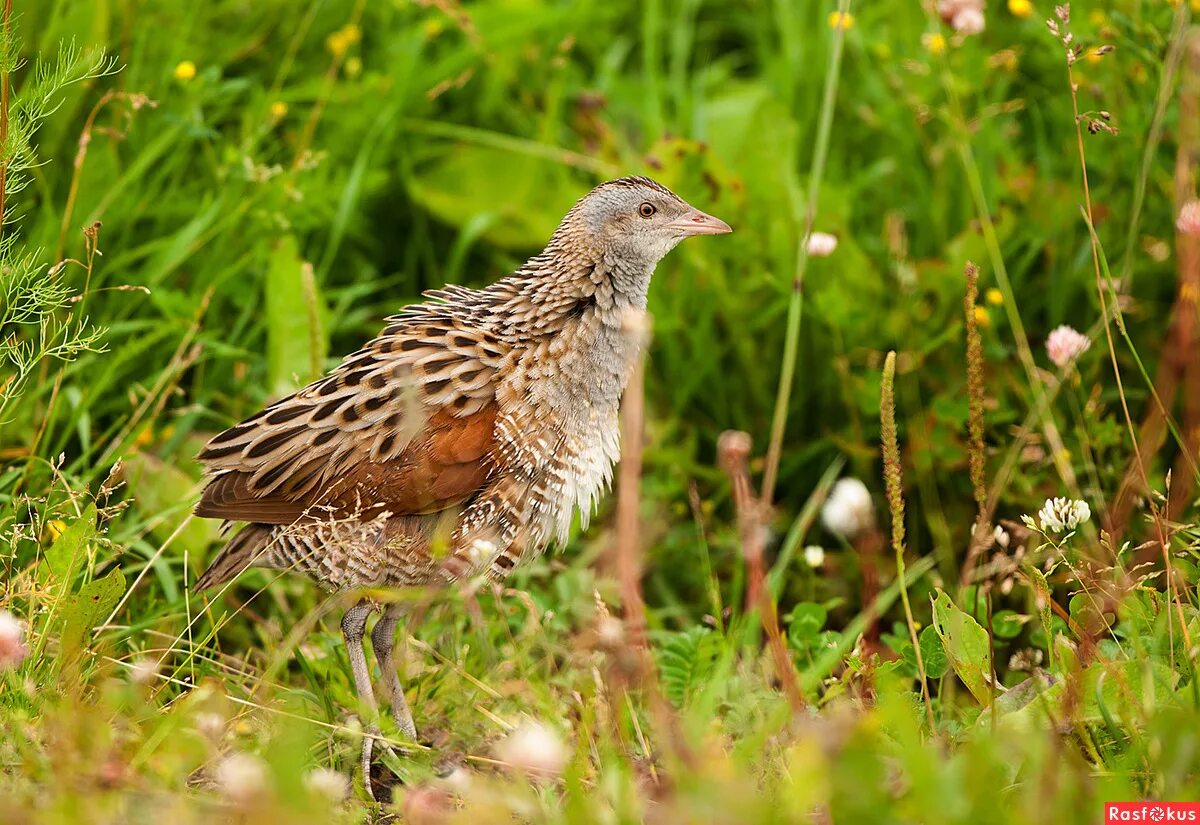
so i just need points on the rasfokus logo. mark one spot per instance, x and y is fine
(1151, 812)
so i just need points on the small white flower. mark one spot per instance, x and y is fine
(1188, 222)
(12, 641)
(610, 632)
(241, 777)
(144, 671)
(481, 551)
(328, 784)
(1063, 514)
(821, 244)
(1065, 344)
(968, 21)
(458, 781)
(849, 510)
(210, 725)
(535, 749)
(1001, 536)
(964, 16)
(814, 555)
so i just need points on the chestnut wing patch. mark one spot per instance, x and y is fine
(406, 425)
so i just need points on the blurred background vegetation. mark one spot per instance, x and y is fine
(250, 187)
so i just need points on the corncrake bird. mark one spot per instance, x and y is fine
(459, 442)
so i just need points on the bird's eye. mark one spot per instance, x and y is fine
(647, 210)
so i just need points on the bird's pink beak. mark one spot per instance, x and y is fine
(695, 222)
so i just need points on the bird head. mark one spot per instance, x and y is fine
(637, 220)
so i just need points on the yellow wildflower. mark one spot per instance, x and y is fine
(185, 71)
(279, 110)
(838, 20)
(341, 40)
(982, 317)
(1020, 8)
(934, 42)
(994, 297)
(353, 67)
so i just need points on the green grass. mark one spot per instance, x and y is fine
(271, 179)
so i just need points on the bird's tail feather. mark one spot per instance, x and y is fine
(242, 552)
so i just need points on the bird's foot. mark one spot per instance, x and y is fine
(368, 750)
(378, 778)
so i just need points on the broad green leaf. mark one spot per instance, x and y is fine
(82, 611)
(528, 195)
(966, 645)
(807, 620)
(1024, 706)
(296, 344)
(164, 494)
(933, 654)
(69, 550)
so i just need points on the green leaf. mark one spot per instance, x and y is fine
(296, 345)
(527, 195)
(1086, 611)
(84, 610)
(69, 550)
(808, 619)
(933, 654)
(684, 660)
(1007, 624)
(165, 494)
(1042, 596)
(966, 644)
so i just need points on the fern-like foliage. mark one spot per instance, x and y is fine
(38, 319)
(685, 662)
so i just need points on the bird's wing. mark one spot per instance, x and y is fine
(405, 425)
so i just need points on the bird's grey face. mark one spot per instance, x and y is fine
(640, 220)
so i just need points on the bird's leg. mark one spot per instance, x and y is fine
(354, 626)
(383, 638)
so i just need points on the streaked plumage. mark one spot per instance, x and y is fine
(463, 439)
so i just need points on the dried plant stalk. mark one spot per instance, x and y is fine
(733, 453)
(975, 392)
(893, 481)
(980, 532)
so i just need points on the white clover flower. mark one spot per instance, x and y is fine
(822, 244)
(327, 784)
(814, 555)
(1065, 344)
(849, 510)
(12, 641)
(534, 748)
(1062, 514)
(241, 777)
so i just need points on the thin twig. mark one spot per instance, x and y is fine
(733, 452)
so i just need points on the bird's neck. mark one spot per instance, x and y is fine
(561, 278)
